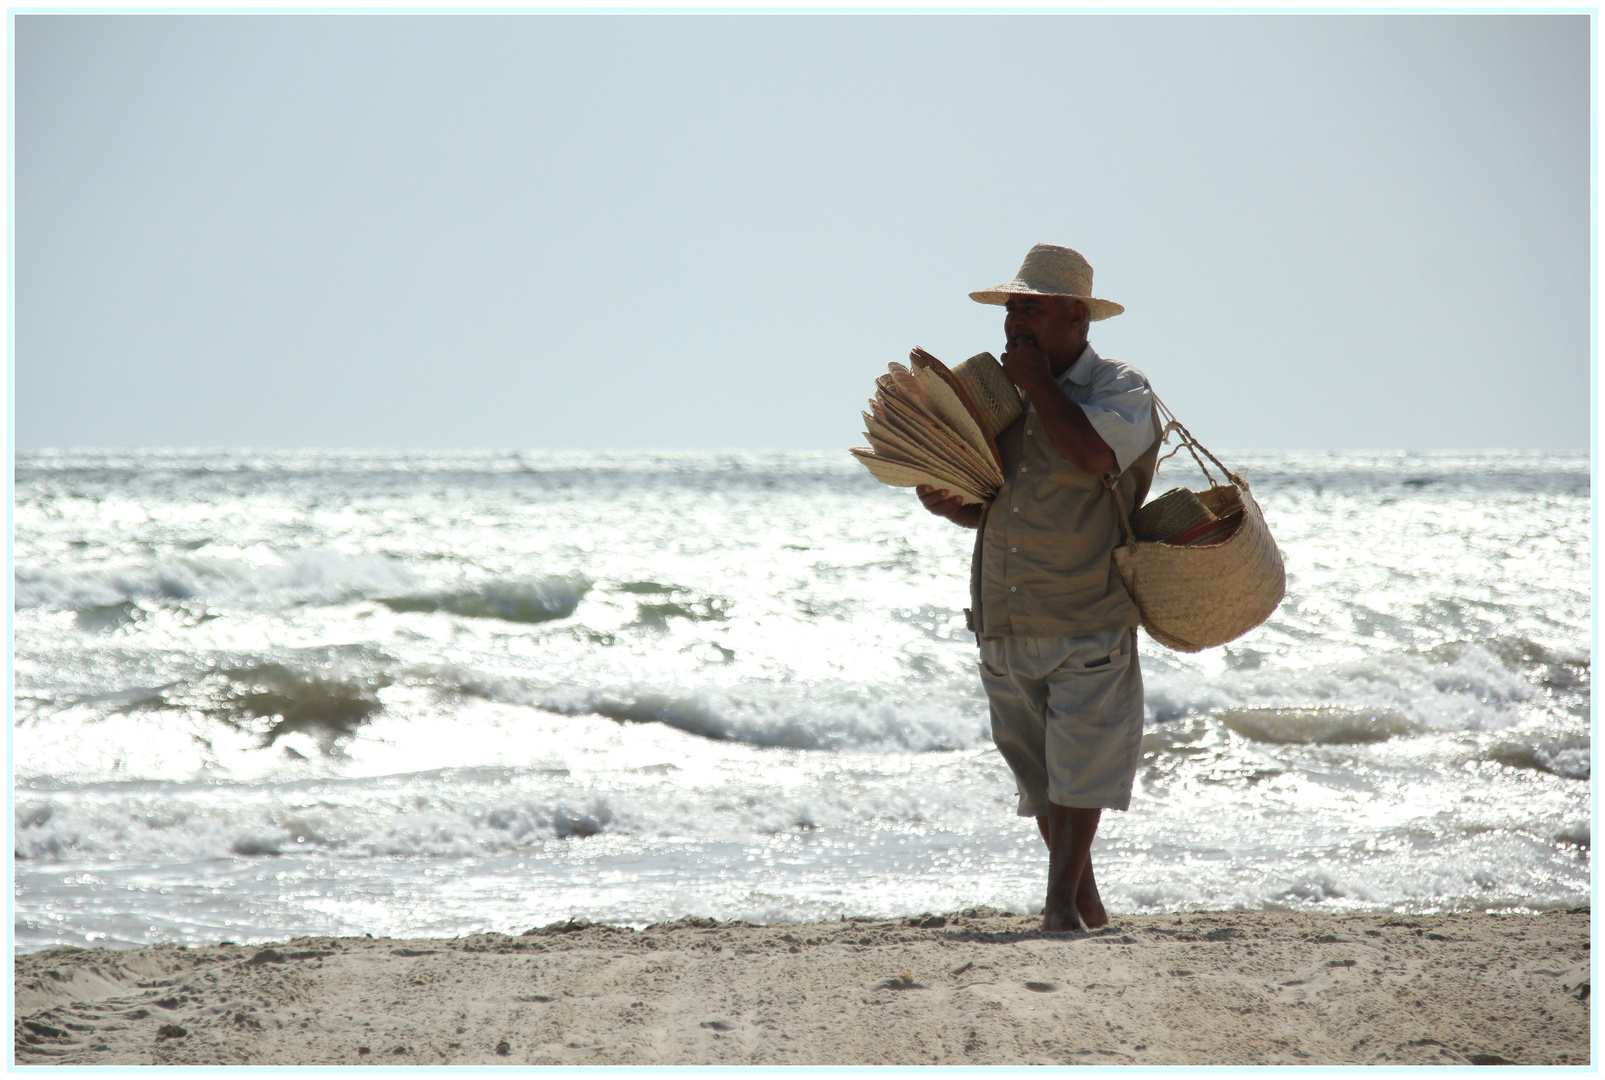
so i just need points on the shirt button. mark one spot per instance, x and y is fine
(1028, 431)
(1016, 509)
(1014, 549)
(1012, 588)
(1024, 469)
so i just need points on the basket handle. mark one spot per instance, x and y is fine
(1112, 482)
(1190, 442)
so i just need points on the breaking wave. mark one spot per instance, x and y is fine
(110, 598)
(1324, 726)
(537, 601)
(262, 578)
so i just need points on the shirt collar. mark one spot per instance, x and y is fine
(1080, 372)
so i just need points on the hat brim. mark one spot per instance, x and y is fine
(999, 294)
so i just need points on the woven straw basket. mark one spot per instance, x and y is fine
(1194, 598)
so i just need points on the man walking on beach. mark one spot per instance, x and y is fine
(1056, 628)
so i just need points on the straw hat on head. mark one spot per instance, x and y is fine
(1051, 270)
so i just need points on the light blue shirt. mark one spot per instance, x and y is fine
(1117, 400)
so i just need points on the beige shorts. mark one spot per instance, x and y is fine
(1067, 717)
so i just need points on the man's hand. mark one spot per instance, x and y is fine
(1026, 365)
(939, 502)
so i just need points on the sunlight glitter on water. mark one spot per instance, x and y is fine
(290, 693)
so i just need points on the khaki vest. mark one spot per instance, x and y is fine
(1043, 563)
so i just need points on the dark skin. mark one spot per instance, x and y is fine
(1045, 336)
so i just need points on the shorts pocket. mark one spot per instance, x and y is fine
(1084, 659)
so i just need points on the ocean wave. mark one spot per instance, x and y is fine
(1458, 686)
(277, 578)
(110, 598)
(558, 782)
(326, 693)
(329, 693)
(627, 788)
(816, 716)
(176, 826)
(1316, 726)
(1570, 758)
(534, 600)
(289, 698)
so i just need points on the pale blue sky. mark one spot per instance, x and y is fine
(531, 230)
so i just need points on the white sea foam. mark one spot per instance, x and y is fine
(258, 576)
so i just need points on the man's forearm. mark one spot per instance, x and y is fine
(1071, 433)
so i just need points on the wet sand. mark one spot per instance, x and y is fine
(974, 988)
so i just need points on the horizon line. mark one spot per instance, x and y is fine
(196, 449)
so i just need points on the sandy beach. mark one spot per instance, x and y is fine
(979, 987)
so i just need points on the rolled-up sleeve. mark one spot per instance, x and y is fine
(1121, 409)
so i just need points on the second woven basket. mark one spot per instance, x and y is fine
(1194, 598)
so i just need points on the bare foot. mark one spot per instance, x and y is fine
(1072, 892)
(1062, 920)
(1088, 903)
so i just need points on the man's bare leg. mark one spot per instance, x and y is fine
(1088, 903)
(1072, 901)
